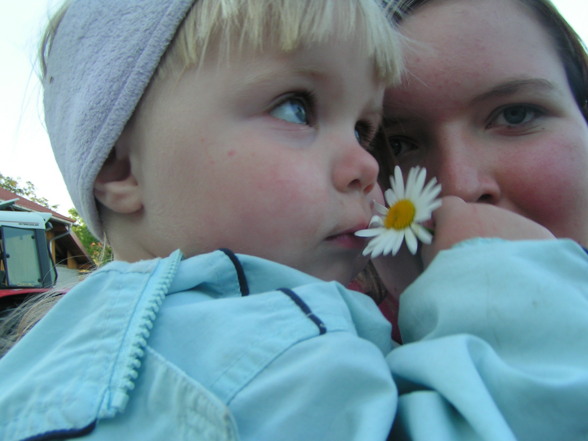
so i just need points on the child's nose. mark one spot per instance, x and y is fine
(354, 168)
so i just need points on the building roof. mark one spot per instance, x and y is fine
(67, 243)
(27, 205)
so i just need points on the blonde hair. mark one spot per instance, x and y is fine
(227, 26)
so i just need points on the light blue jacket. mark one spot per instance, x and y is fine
(496, 345)
(215, 347)
(496, 348)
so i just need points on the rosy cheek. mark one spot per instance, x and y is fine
(548, 193)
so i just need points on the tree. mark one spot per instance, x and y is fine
(99, 253)
(28, 191)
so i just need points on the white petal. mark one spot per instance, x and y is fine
(368, 249)
(370, 232)
(395, 245)
(416, 180)
(411, 241)
(420, 179)
(375, 247)
(390, 197)
(398, 183)
(432, 189)
(410, 183)
(422, 233)
(435, 204)
(381, 209)
(376, 221)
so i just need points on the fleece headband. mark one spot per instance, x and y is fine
(102, 59)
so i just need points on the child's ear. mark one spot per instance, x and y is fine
(116, 188)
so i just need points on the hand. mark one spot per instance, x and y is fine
(457, 220)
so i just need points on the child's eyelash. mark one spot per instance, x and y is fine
(366, 132)
(309, 98)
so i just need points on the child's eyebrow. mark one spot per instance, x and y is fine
(276, 74)
(510, 87)
(291, 76)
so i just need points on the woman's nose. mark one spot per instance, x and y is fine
(466, 172)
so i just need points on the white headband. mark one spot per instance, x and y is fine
(102, 59)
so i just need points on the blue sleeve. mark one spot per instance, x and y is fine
(331, 382)
(496, 344)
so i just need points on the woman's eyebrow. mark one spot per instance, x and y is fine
(395, 123)
(510, 87)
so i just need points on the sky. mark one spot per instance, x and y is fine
(24, 144)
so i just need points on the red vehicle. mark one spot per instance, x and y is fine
(26, 266)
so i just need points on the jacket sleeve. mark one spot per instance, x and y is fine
(496, 344)
(332, 385)
(335, 387)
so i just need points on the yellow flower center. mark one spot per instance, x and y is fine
(400, 215)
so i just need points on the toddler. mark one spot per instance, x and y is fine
(221, 146)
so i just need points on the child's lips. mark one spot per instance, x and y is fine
(348, 239)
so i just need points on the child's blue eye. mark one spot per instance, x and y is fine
(293, 109)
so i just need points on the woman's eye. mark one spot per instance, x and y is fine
(293, 109)
(400, 146)
(515, 116)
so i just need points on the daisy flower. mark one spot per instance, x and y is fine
(407, 208)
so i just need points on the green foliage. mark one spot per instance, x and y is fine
(99, 252)
(28, 190)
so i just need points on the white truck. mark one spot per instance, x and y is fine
(26, 266)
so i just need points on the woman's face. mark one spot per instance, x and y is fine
(486, 107)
